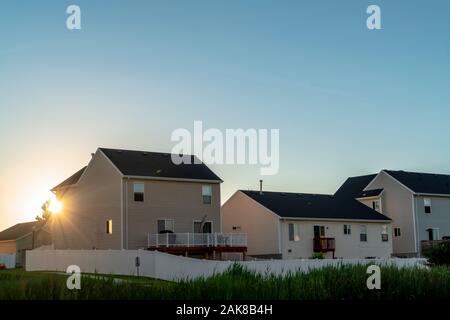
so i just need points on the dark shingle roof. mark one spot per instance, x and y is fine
(70, 180)
(314, 206)
(353, 186)
(369, 193)
(156, 164)
(20, 230)
(423, 182)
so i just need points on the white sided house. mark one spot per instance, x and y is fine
(417, 203)
(295, 225)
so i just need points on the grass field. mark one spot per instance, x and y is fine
(342, 283)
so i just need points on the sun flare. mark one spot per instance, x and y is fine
(55, 206)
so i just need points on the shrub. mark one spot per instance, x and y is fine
(439, 254)
(317, 255)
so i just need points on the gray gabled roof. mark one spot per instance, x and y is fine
(418, 182)
(353, 186)
(71, 180)
(158, 165)
(314, 206)
(19, 230)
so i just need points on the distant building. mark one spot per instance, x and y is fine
(24, 236)
(417, 203)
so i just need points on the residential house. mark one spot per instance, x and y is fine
(295, 225)
(417, 203)
(134, 199)
(24, 236)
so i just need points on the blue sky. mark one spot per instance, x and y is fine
(347, 100)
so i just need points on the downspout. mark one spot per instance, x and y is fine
(121, 214)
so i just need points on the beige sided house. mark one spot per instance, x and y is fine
(295, 225)
(135, 199)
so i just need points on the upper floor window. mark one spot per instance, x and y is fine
(138, 191)
(206, 194)
(347, 229)
(166, 225)
(294, 232)
(397, 232)
(427, 205)
(363, 234)
(376, 205)
(108, 226)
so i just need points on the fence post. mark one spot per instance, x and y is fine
(187, 239)
(148, 240)
(231, 240)
(157, 240)
(167, 239)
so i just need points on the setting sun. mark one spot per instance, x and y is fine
(55, 206)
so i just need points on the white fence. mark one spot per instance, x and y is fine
(197, 240)
(170, 267)
(9, 260)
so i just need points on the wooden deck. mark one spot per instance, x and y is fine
(208, 252)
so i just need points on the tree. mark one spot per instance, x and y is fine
(46, 213)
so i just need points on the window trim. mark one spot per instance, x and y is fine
(210, 195)
(295, 235)
(134, 191)
(429, 205)
(206, 221)
(165, 220)
(347, 229)
(361, 233)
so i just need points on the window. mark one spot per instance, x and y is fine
(207, 227)
(347, 229)
(433, 234)
(165, 225)
(138, 189)
(294, 232)
(427, 205)
(397, 232)
(363, 234)
(376, 205)
(384, 234)
(206, 194)
(108, 226)
(237, 228)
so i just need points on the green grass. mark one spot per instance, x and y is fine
(330, 283)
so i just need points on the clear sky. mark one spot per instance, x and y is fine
(347, 101)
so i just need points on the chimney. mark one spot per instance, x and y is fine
(260, 187)
(92, 155)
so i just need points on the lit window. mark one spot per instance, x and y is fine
(108, 226)
(206, 194)
(363, 234)
(397, 232)
(166, 225)
(347, 229)
(294, 232)
(427, 205)
(138, 189)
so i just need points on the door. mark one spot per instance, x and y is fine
(319, 231)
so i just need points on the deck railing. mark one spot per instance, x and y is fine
(323, 244)
(197, 240)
